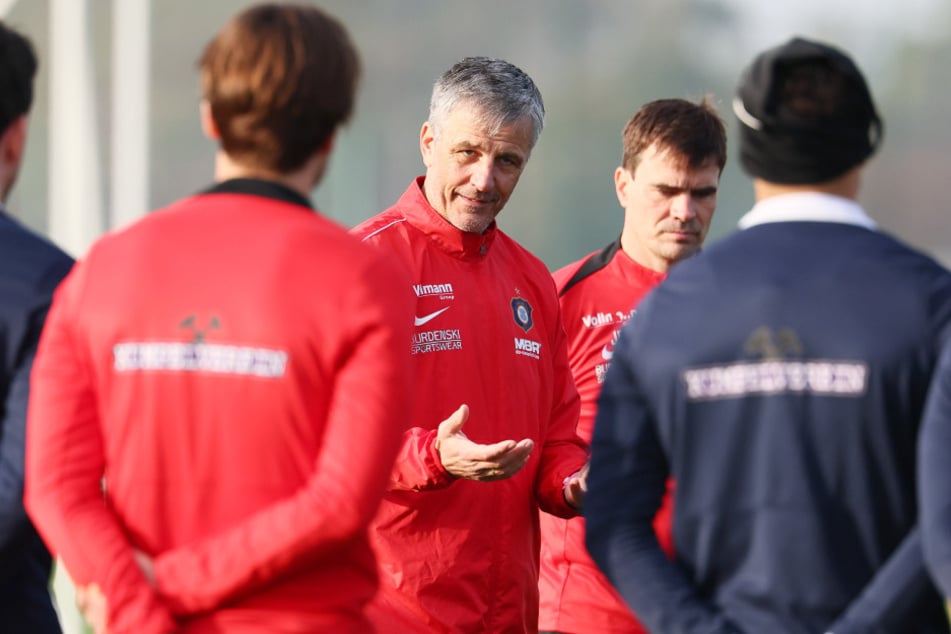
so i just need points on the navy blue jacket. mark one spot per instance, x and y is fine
(934, 476)
(30, 269)
(779, 377)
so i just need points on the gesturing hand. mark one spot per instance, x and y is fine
(466, 459)
(576, 486)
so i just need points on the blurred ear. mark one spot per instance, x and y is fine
(622, 182)
(208, 125)
(13, 141)
(328, 146)
(426, 138)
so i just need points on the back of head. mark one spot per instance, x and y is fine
(279, 79)
(693, 132)
(806, 114)
(501, 92)
(17, 69)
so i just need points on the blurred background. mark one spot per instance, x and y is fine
(115, 130)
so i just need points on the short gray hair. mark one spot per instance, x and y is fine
(502, 92)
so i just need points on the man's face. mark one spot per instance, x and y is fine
(471, 173)
(668, 207)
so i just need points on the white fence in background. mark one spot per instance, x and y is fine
(76, 211)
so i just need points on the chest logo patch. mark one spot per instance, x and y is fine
(522, 312)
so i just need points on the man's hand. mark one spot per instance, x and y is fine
(576, 485)
(92, 605)
(465, 459)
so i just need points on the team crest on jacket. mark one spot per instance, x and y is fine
(522, 312)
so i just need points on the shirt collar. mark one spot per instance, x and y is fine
(258, 187)
(807, 207)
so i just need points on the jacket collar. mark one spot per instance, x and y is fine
(258, 187)
(807, 207)
(457, 243)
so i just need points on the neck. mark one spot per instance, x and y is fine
(302, 180)
(845, 186)
(642, 255)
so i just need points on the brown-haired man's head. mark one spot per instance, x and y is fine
(278, 80)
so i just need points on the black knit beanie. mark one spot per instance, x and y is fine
(805, 113)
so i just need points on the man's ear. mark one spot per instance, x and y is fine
(426, 137)
(328, 146)
(208, 125)
(622, 180)
(13, 141)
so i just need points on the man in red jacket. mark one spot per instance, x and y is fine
(674, 152)
(493, 436)
(221, 387)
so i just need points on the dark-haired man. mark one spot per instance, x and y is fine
(232, 368)
(779, 378)
(674, 151)
(30, 269)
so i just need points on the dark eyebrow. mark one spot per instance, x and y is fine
(669, 190)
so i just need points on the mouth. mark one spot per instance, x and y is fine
(683, 236)
(479, 201)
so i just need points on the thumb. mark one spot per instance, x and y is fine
(453, 425)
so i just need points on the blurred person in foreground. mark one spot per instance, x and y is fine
(221, 387)
(673, 154)
(493, 435)
(30, 269)
(779, 378)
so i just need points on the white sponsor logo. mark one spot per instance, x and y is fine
(528, 347)
(436, 341)
(828, 378)
(198, 357)
(607, 352)
(606, 319)
(419, 321)
(426, 290)
(599, 319)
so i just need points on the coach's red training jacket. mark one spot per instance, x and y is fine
(458, 555)
(598, 294)
(235, 367)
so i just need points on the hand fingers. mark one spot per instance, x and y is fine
(453, 424)
(508, 464)
(505, 451)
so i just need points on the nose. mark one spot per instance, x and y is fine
(482, 175)
(682, 207)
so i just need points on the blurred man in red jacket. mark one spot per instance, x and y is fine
(232, 368)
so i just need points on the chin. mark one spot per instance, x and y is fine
(471, 223)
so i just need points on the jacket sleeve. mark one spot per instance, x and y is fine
(13, 517)
(898, 594)
(18, 361)
(625, 486)
(369, 411)
(563, 452)
(934, 486)
(418, 466)
(65, 465)
(25, 315)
